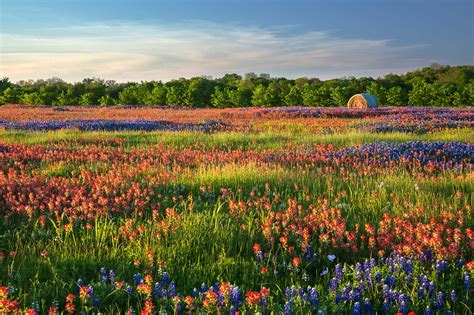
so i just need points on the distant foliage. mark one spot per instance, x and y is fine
(436, 85)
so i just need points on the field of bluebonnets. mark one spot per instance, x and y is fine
(278, 210)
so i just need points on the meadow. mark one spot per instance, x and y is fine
(147, 210)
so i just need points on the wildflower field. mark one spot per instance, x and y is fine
(149, 210)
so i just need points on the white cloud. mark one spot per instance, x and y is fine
(157, 52)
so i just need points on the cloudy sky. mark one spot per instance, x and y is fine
(133, 40)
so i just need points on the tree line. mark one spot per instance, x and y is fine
(430, 86)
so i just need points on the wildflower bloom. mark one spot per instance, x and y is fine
(144, 289)
(252, 297)
(70, 308)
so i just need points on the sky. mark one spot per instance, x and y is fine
(135, 40)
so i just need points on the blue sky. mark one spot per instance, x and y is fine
(161, 40)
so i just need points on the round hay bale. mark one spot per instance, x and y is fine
(363, 100)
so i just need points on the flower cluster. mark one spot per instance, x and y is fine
(114, 125)
(398, 283)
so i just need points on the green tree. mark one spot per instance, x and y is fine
(128, 96)
(31, 99)
(11, 95)
(87, 99)
(294, 96)
(421, 94)
(396, 96)
(220, 98)
(176, 96)
(258, 97)
(340, 95)
(379, 91)
(4, 84)
(272, 95)
(66, 97)
(199, 92)
(240, 97)
(157, 96)
(107, 100)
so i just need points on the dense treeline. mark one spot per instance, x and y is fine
(431, 86)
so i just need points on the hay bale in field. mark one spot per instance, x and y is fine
(363, 100)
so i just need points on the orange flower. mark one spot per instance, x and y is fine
(296, 261)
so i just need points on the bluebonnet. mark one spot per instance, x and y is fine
(114, 125)
(378, 277)
(288, 307)
(164, 278)
(357, 309)
(137, 278)
(96, 302)
(445, 154)
(333, 285)
(453, 296)
(112, 276)
(172, 289)
(421, 293)
(235, 296)
(103, 275)
(441, 266)
(467, 280)
(439, 300)
(339, 272)
(403, 303)
(313, 297)
(386, 306)
(367, 306)
(309, 253)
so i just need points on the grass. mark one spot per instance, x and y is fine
(262, 140)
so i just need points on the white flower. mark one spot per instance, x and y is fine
(331, 257)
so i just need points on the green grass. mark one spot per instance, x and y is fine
(261, 140)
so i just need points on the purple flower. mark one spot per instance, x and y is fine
(314, 298)
(467, 280)
(339, 272)
(287, 309)
(333, 285)
(439, 300)
(164, 278)
(235, 296)
(112, 276)
(309, 253)
(454, 297)
(367, 305)
(386, 306)
(138, 278)
(357, 309)
(172, 289)
(421, 293)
